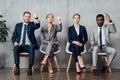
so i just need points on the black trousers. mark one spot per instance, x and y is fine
(25, 48)
(76, 50)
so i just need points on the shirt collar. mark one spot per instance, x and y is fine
(76, 26)
(25, 23)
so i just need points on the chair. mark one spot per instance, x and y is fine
(54, 57)
(102, 55)
(70, 55)
(23, 54)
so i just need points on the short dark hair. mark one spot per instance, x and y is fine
(26, 12)
(100, 15)
(76, 14)
(48, 15)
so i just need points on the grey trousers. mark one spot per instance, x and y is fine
(49, 48)
(111, 52)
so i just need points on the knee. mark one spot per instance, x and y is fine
(94, 52)
(95, 48)
(114, 51)
(16, 48)
(31, 48)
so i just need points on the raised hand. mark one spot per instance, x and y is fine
(36, 15)
(108, 17)
(59, 18)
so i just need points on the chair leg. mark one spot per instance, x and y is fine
(69, 62)
(109, 69)
(14, 67)
(68, 76)
(33, 69)
(91, 68)
(105, 59)
(84, 70)
(56, 62)
(41, 68)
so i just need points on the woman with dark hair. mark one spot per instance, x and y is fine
(49, 39)
(77, 36)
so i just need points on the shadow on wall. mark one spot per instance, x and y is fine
(2, 57)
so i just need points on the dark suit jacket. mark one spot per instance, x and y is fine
(82, 37)
(30, 32)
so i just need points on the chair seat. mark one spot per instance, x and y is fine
(54, 52)
(102, 54)
(24, 54)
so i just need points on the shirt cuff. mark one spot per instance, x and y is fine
(111, 23)
(37, 21)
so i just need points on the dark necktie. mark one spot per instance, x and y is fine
(100, 38)
(24, 35)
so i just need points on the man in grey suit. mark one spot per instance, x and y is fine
(101, 41)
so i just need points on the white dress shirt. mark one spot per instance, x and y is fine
(77, 29)
(27, 41)
(103, 36)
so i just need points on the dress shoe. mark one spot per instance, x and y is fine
(83, 69)
(51, 72)
(79, 72)
(104, 68)
(29, 72)
(96, 72)
(17, 72)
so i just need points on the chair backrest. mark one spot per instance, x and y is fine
(69, 52)
(57, 50)
(41, 50)
(67, 48)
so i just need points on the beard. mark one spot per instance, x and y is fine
(100, 25)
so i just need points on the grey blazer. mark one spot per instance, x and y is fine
(108, 29)
(49, 41)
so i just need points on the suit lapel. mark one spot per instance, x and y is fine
(80, 30)
(51, 31)
(28, 29)
(20, 28)
(74, 30)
